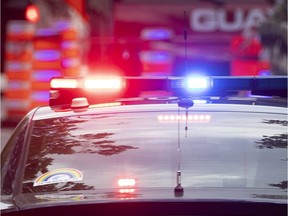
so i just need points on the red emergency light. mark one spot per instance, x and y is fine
(113, 83)
(32, 13)
(126, 182)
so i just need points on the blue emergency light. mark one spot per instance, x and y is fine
(198, 83)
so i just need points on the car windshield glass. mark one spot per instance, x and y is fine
(218, 149)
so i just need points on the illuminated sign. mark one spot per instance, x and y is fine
(210, 19)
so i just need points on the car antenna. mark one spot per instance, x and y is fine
(183, 103)
(178, 190)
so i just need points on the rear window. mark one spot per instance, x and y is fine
(212, 149)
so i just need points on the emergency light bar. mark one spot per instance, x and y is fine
(63, 90)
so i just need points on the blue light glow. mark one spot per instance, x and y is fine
(45, 75)
(62, 25)
(47, 55)
(265, 73)
(17, 66)
(69, 45)
(42, 96)
(45, 32)
(18, 85)
(156, 34)
(70, 62)
(156, 57)
(198, 83)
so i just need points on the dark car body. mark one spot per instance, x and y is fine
(222, 156)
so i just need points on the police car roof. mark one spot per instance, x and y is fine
(248, 104)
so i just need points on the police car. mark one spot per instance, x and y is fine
(151, 146)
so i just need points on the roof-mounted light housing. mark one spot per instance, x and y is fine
(100, 89)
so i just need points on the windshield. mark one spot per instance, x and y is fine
(212, 149)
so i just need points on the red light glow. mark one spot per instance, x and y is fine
(32, 13)
(127, 190)
(103, 83)
(126, 182)
(64, 83)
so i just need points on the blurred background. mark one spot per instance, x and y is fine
(41, 39)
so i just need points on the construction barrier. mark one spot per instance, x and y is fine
(18, 68)
(32, 57)
(46, 63)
